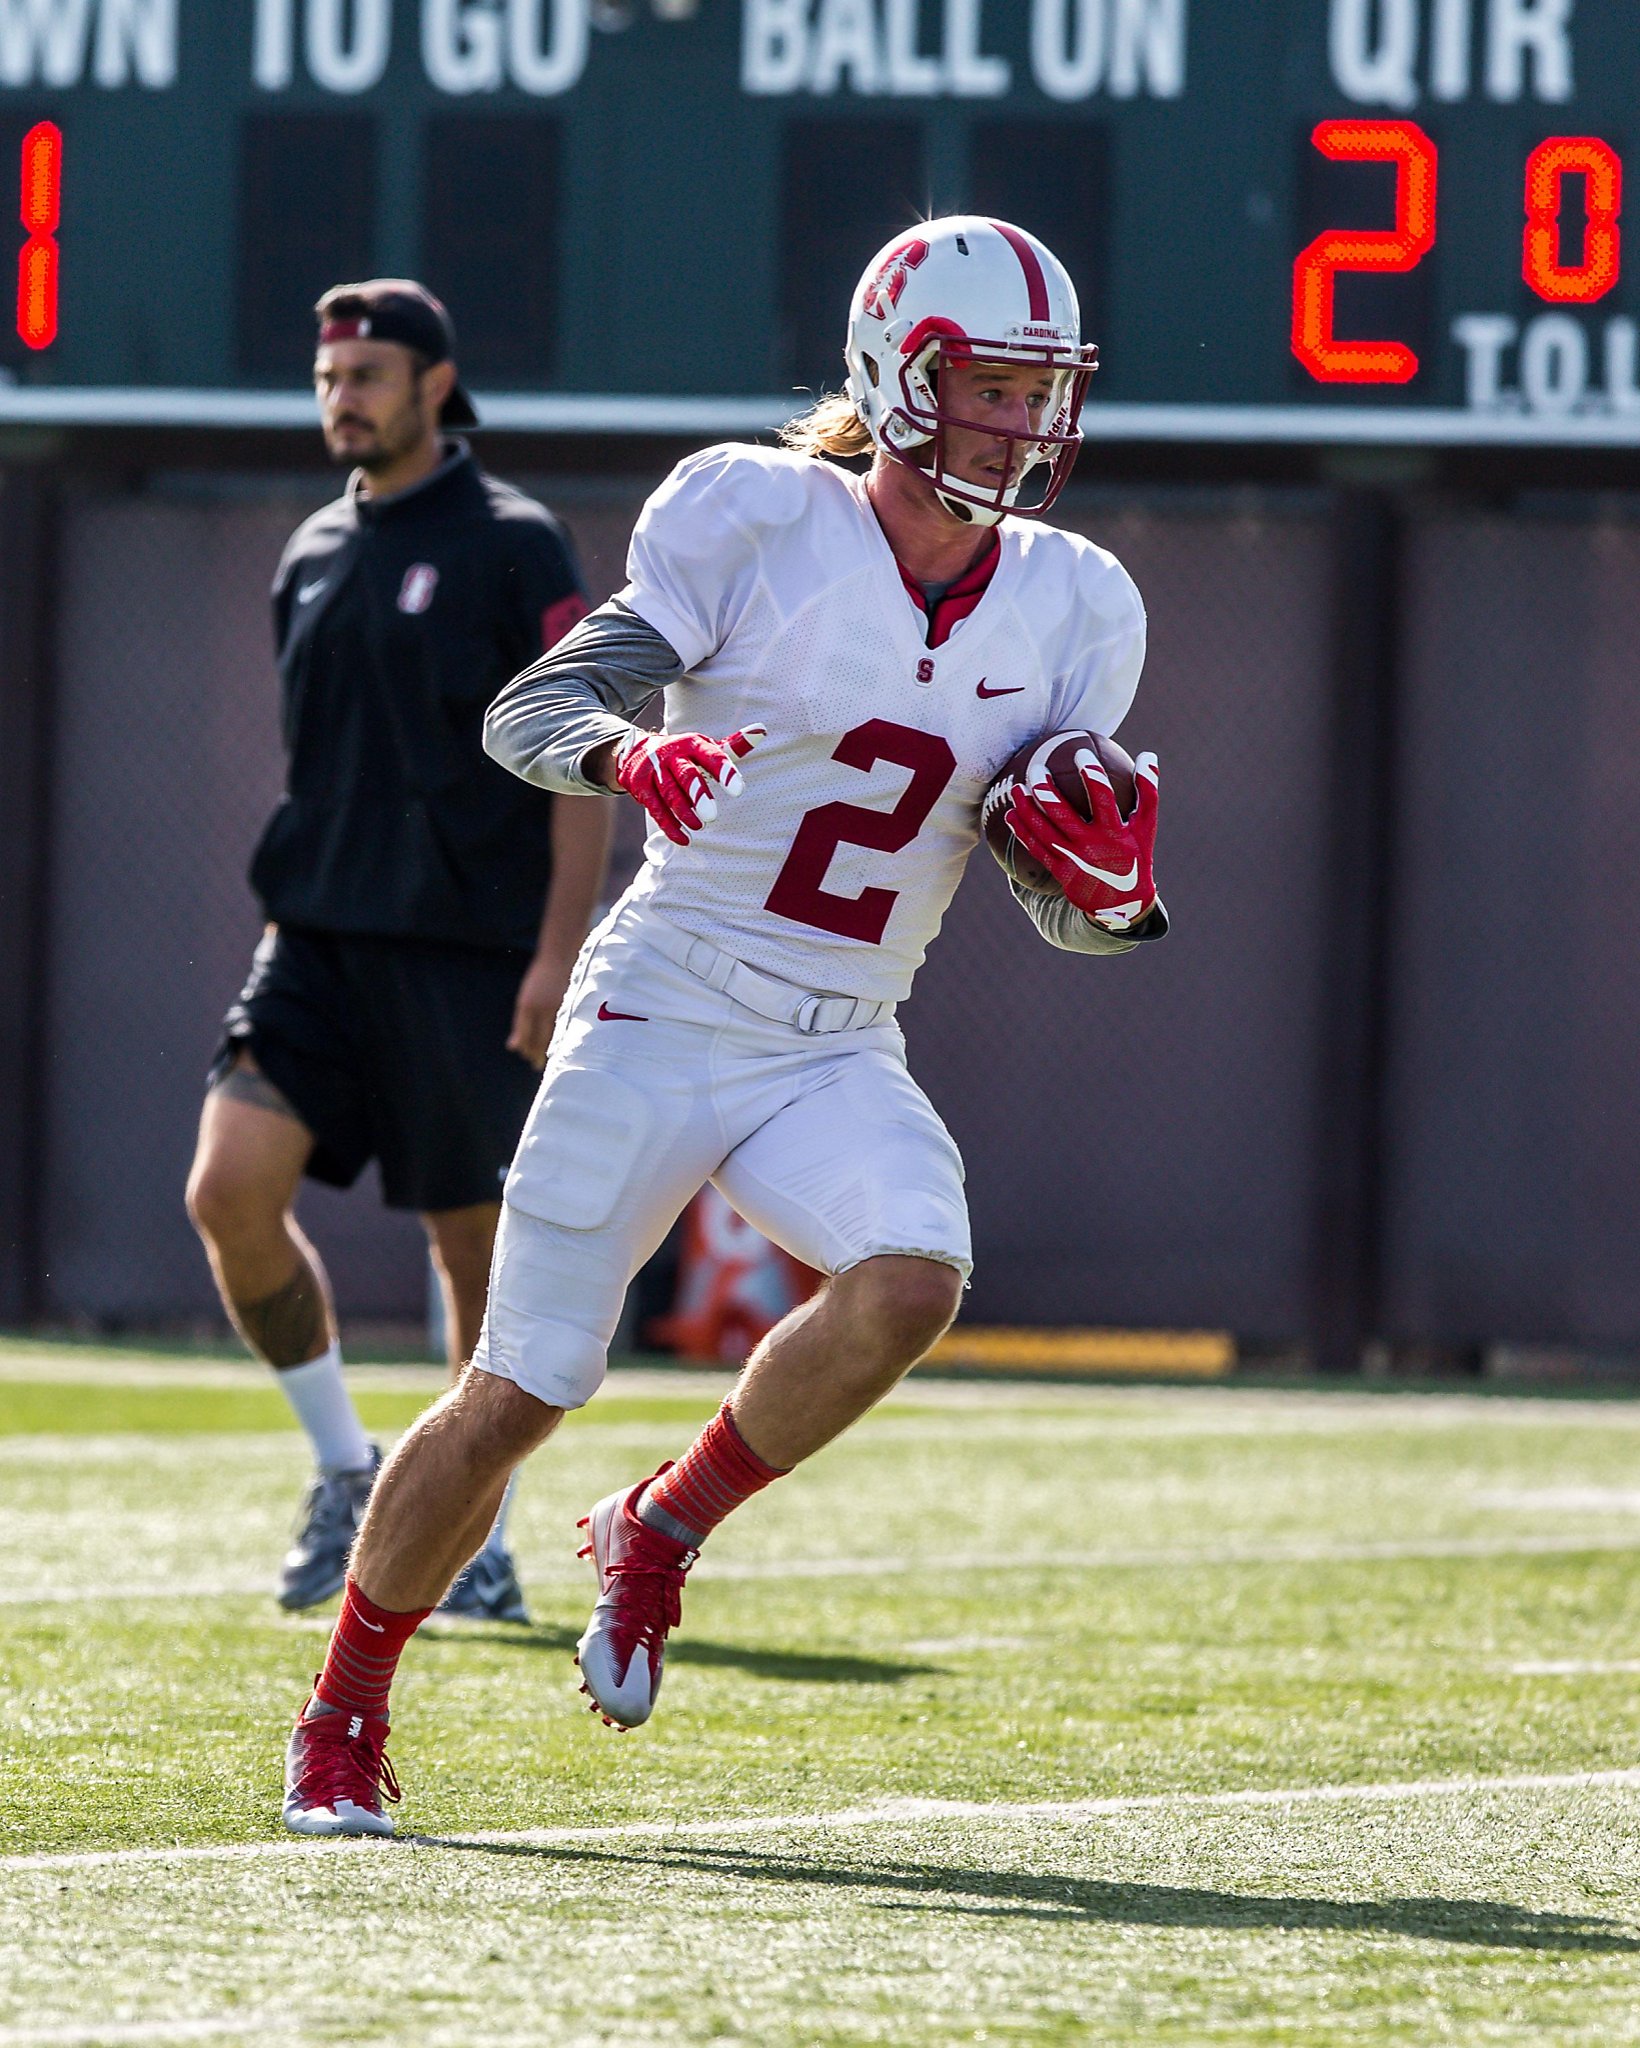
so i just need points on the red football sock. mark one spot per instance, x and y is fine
(717, 1472)
(364, 1653)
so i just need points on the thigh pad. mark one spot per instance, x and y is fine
(583, 1145)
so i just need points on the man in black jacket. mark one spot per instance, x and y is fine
(424, 907)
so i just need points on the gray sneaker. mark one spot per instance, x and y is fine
(316, 1563)
(487, 1590)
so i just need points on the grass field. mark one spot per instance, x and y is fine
(1025, 1715)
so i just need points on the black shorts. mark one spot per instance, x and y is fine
(391, 1049)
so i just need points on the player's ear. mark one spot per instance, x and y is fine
(438, 380)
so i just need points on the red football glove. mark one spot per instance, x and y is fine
(671, 774)
(1104, 865)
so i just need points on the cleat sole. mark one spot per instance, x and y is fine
(328, 1828)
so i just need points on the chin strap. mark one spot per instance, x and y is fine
(972, 515)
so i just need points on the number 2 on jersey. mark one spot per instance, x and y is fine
(799, 891)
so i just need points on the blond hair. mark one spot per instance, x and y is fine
(831, 426)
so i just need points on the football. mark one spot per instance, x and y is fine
(1051, 757)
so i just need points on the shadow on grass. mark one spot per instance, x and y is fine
(794, 1666)
(1027, 1895)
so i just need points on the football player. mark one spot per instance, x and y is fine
(872, 649)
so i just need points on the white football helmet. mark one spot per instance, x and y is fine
(961, 290)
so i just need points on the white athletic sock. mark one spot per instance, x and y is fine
(497, 1538)
(324, 1408)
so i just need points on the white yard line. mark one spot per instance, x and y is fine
(980, 1561)
(911, 1566)
(1576, 1667)
(962, 1646)
(882, 1813)
(117, 2033)
(1560, 1500)
(181, 1589)
(895, 1432)
(1190, 1409)
(46, 1366)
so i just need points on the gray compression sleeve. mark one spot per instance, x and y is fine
(1073, 931)
(580, 694)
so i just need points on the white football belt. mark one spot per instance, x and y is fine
(777, 1000)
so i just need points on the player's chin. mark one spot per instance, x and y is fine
(350, 444)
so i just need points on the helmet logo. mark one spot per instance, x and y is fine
(882, 295)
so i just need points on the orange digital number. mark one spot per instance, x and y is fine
(38, 260)
(1329, 360)
(1547, 168)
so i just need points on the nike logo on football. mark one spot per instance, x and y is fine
(608, 1016)
(309, 591)
(984, 691)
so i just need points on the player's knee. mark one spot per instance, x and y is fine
(556, 1361)
(227, 1206)
(500, 1422)
(908, 1302)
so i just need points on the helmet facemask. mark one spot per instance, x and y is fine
(914, 431)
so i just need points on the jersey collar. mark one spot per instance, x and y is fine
(455, 469)
(959, 599)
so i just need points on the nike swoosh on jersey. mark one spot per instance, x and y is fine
(1012, 691)
(608, 1016)
(309, 591)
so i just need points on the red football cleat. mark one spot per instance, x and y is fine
(336, 1770)
(640, 1598)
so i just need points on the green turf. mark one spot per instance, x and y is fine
(29, 1408)
(1256, 1591)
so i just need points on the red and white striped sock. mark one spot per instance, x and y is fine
(717, 1472)
(363, 1655)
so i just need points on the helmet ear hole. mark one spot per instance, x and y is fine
(872, 370)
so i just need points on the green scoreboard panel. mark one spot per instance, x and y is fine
(1308, 219)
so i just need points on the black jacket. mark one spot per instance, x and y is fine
(395, 625)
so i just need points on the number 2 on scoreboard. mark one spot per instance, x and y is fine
(1329, 360)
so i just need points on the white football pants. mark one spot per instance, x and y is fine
(657, 1083)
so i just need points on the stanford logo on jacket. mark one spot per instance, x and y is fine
(416, 591)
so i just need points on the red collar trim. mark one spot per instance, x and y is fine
(960, 600)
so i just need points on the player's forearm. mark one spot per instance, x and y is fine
(1073, 931)
(580, 696)
(581, 834)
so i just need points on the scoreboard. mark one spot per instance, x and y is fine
(1322, 220)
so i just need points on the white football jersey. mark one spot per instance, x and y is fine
(770, 577)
